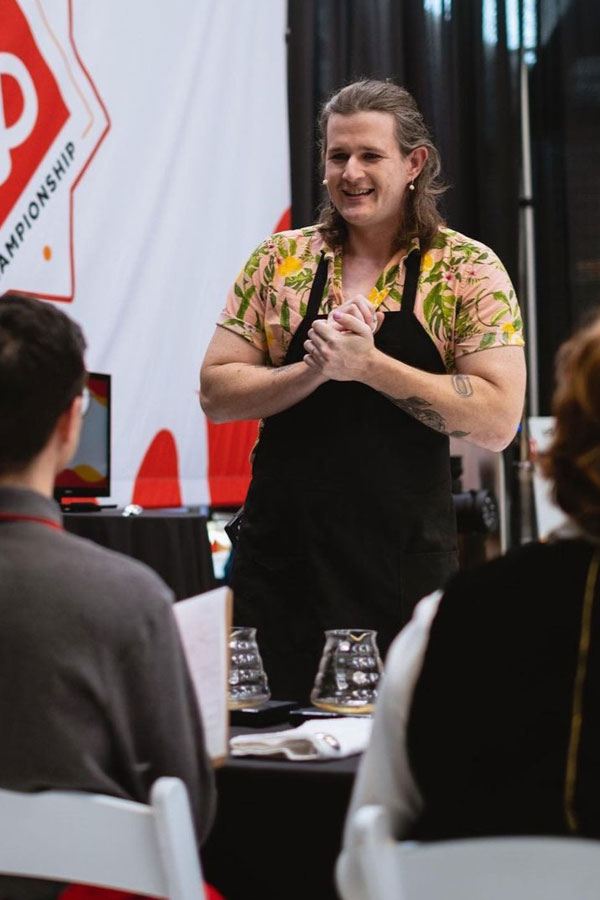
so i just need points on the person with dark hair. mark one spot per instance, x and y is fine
(41, 373)
(487, 723)
(94, 690)
(363, 342)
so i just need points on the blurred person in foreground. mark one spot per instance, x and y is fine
(363, 342)
(488, 722)
(94, 690)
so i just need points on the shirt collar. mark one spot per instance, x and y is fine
(415, 244)
(24, 502)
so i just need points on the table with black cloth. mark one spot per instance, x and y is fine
(278, 828)
(174, 543)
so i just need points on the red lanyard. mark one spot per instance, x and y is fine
(17, 517)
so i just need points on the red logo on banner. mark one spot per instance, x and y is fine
(157, 481)
(52, 121)
(229, 470)
(32, 110)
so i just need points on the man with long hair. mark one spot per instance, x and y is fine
(363, 342)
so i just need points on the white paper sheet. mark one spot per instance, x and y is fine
(204, 622)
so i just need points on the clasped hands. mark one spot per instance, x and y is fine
(340, 346)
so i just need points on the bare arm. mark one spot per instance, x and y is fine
(236, 383)
(482, 402)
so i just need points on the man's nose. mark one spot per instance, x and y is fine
(353, 169)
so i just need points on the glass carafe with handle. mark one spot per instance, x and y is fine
(349, 672)
(248, 685)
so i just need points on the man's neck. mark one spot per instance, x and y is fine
(375, 245)
(33, 478)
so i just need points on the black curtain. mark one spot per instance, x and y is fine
(462, 75)
(565, 93)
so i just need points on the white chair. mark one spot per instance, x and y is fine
(502, 868)
(95, 839)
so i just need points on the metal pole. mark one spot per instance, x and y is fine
(528, 236)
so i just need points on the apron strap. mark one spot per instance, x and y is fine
(296, 348)
(316, 291)
(412, 264)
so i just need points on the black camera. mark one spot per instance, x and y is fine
(476, 511)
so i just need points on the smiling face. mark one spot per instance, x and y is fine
(366, 172)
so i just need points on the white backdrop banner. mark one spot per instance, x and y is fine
(143, 155)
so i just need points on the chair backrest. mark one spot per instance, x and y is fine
(498, 868)
(95, 839)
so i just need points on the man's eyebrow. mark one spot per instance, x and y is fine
(365, 147)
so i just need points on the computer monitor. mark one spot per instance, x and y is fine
(88, 472)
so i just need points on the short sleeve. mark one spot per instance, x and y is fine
(487, 312)
(244, 311)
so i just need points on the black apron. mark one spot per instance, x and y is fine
(349, 517)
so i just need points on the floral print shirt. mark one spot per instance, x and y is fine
(465, 300)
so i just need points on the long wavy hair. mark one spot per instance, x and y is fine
(573, 459)
(420, 216)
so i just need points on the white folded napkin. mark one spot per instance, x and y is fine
(314, 739)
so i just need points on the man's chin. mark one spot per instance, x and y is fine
(356, 215)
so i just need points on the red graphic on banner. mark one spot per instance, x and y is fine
(52, 122)
(157, 480)
(32, 110)
(229, 447)
(285, 222)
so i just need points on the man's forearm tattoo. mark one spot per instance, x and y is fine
(422, 411)
(462, 385)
